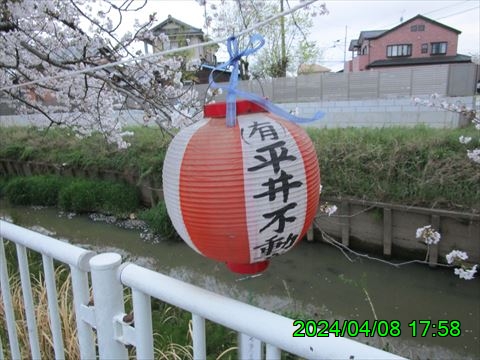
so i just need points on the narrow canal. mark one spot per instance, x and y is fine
(314, 280)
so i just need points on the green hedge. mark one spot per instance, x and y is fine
(78, 195)
(99, 196)
(39, 190)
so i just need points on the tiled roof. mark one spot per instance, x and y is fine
(370, 34)
(405, 61)
(185, 28)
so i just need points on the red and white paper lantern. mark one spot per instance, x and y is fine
(241, 194)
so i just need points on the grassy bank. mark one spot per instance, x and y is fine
(411, 166)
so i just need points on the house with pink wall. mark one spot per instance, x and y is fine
(417, 41)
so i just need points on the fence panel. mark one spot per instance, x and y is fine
(335, 87)
(363, 85)
(428, 80)
(309, 87)
(463, 79)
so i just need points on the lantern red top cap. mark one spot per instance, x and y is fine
(219, 110)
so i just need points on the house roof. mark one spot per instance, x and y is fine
(433, 60)
(370, 34)
(375, 34)
(364, 35)
(184, 28)
(419, 17)
(353, 45)
(312, 68)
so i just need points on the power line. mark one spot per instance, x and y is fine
(445, 7)
(458, 13)
(161, 53)
(439, 9)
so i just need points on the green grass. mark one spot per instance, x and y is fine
(59, 146)
(416, 166)
(413, 166)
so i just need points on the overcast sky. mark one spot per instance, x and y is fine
(356, 16)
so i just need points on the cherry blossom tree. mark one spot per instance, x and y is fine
(51, 41)
(286, 40)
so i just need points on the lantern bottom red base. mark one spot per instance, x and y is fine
(248, 268)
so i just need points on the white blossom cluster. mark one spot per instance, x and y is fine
(458, 258)
(456, 255)
(328, 209)
(52, 38)
(474, 155)
(428, 235)
(466, 274)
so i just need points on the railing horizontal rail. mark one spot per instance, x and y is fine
(268, 327)
(57, 249)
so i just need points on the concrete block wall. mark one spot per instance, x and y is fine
(377, 113)
(353, 113)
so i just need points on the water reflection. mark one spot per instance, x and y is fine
(314, 280)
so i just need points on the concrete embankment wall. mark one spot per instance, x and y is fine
(372, 227)
(389, 229)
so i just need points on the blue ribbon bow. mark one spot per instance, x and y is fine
(255, 43)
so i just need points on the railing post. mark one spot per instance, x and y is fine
(249, 347)
(143, 324)
(272, 353)
(52, 296)
(108, 302)
(198, 337)
(80, 289)
(8, 305)
(28, 301)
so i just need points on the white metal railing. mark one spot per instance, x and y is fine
(109, 276)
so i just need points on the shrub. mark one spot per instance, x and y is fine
(34, 190)
(99, 196)
(159, 222)
(80, 196)
(118, 198)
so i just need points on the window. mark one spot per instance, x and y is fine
(417, 27)
(399, 50)
(439, 48)
(424, 48)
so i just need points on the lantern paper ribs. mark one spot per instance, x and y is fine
(241, 194)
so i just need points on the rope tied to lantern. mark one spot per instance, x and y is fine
(256, 42)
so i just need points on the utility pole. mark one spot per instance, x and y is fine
(284, 50)
(345, 49)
